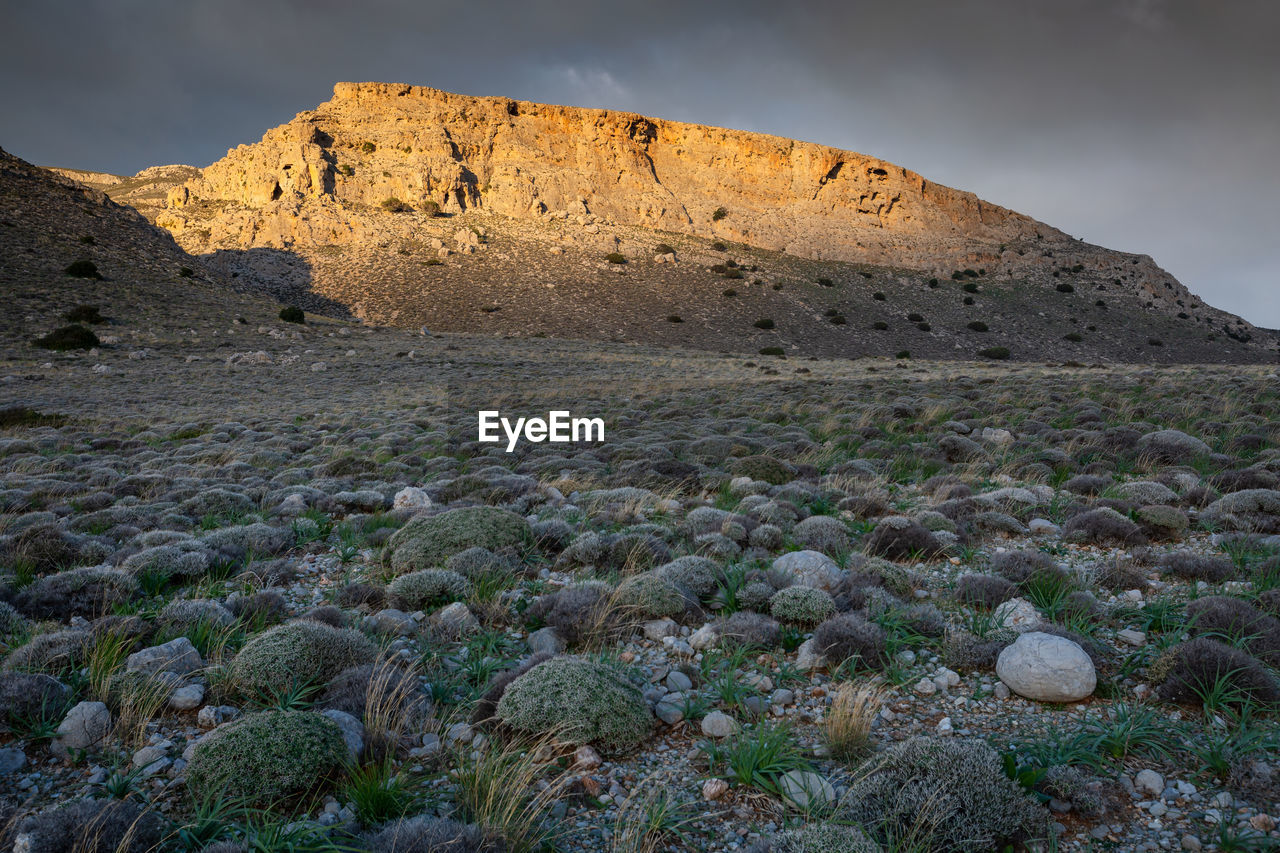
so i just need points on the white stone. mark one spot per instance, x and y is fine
(86, 725)
(187, 698)
(1018, 614)
(1132, 637)
(718, 724)
(352, 731)
(1047, 668)
(178, 656)
(411, 497)
(805, 789)
(810, 568)
(1150, 781)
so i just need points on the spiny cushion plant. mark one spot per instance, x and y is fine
(428, 588)
(952, 795)
(580, 701)
(801, 605)
(302, 652)
(427, 541)
(266, 757)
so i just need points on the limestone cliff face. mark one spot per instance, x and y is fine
(375, 141)
(321, 179)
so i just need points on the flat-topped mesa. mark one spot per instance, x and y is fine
(309, 182)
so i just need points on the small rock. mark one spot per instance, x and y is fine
(545, 640)
(11, 759)
(808, 657)
(457, 619)
(805, 789)
(85, 726)
(187, 698)
(177, 656)
(944, 726)
(1001, 690)
(926, 687)
(1149, 781)
(1132, 637)
(1190, 842)
(704, 638)
(659, 628)
(586, 758)
(714, 789)
(678, 682)
(411, 497)
(211, 716)
(718, 724)
(352, 731)
(1018, 614)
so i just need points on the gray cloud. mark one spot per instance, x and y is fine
(1145, 125)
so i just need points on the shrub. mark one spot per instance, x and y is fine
(1103, 526)
(477, 563)
(87, 592)
(966, 652)
(1020, 566)
(945, 795)
(985, 591)
(361, 594)
(68, 338)
(1202, 667)
(368, 147)
(293, 314)
(718, 246)
(818, 837)
(977, 326)
(55, 652)
(824, 282)
(913, 317)
(395, 205)
(393, 689)
(970, 287)
(774, 351)
(755, 595)
(265, 607)
(879, 296)
(616, 258)
(729, 292)
(823, 533)
(266, 757)
(880, 325)
(83, 269)
(31, 695)
(303, 652)
(763, 323)
(748, 630)
(427, 834)
(430, 208)
(851, 636)
(94, 826)
(427, 541)
(186, 272)
(699, 575)
(674, 318)
(997, 353)
(84, 314)
(651, 595)
(1064, 287)
(1119, 576)
(902, 354)
(802, 605)
(664, 249)
(761, 467)
(1197, 567)
(428, 589)
(1238, 622)
(899, 538)
(185, 559)
(575, 612)
(578, 700)
(718, 214)
(1074, 337)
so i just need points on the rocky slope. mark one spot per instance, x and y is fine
(340, 202)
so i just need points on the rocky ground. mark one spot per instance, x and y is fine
(261, 588)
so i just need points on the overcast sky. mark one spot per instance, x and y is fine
(1144, 125)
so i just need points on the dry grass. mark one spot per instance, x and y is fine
(508, 787)
(391, 701)
(847, 727)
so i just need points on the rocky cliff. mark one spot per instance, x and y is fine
(307, 181)
(409, 206)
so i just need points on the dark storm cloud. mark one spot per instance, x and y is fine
(1145, 125)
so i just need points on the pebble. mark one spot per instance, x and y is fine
(718, 724)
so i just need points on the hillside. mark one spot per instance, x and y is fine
(409, 206)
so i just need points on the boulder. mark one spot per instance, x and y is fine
(810, 568)
(1047, 668)
(178, 656)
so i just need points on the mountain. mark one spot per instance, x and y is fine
(146, 287)
(410, 206)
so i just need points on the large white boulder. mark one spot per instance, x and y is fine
(1047, 668)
